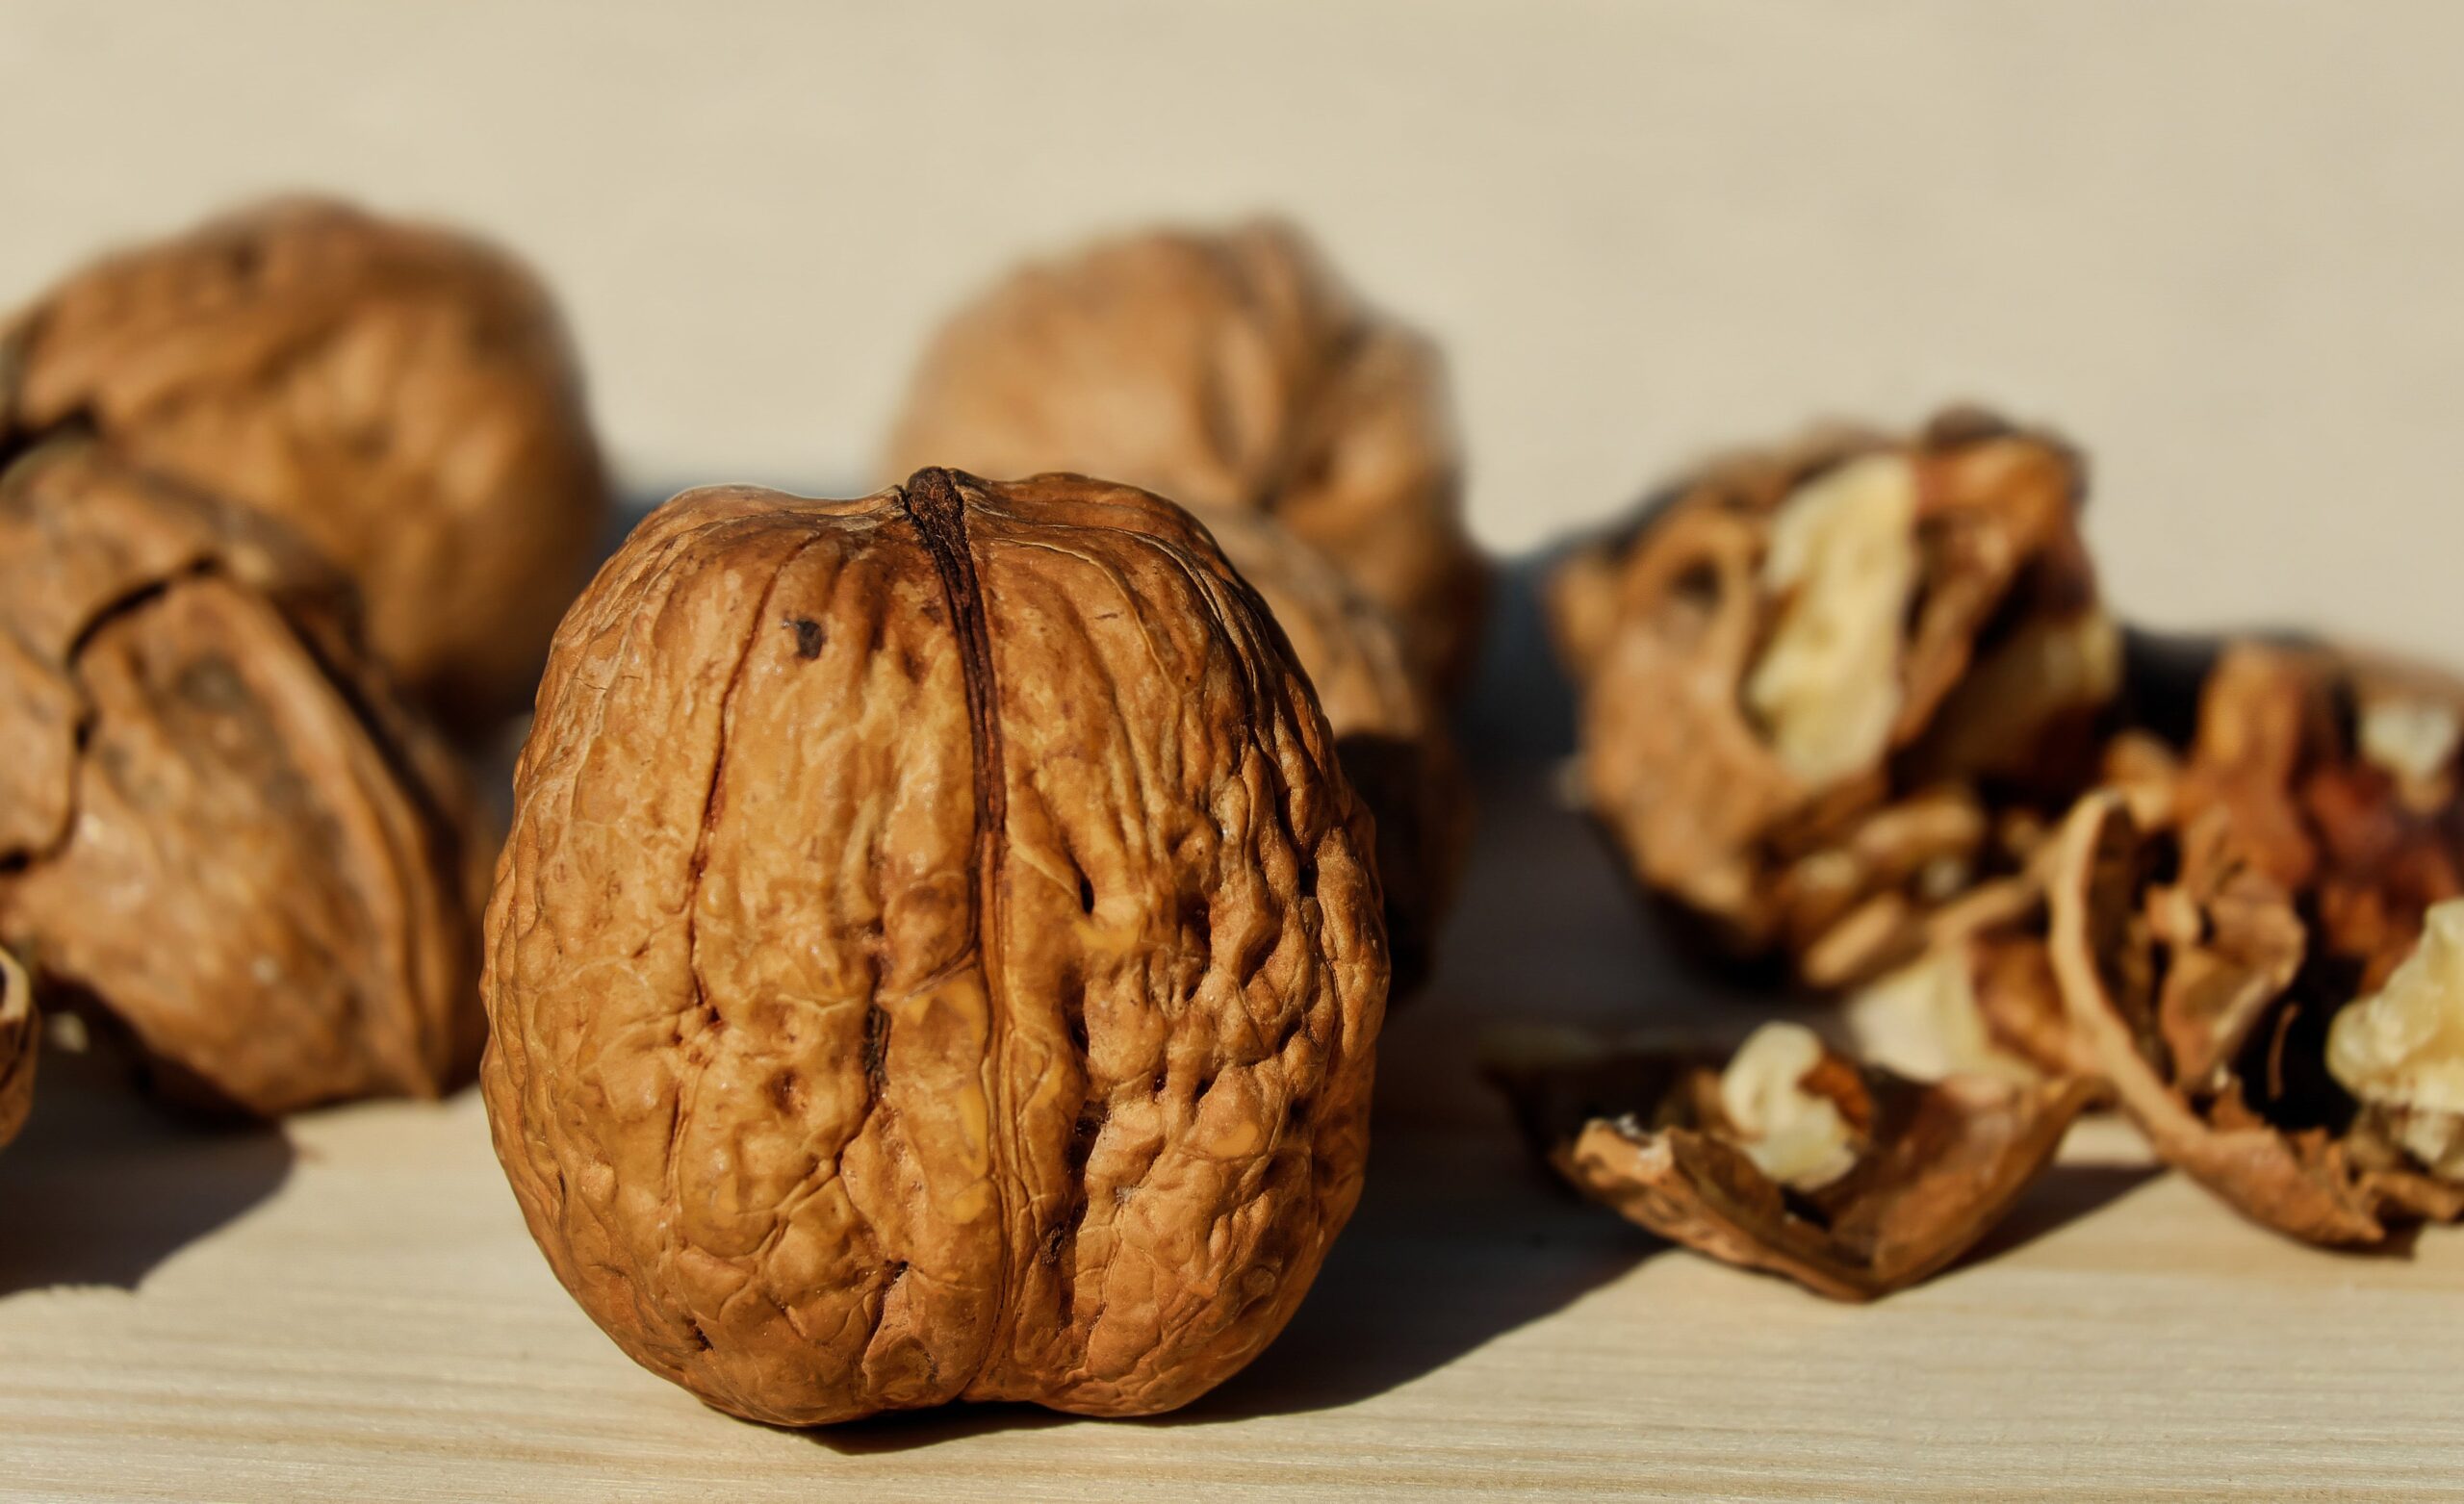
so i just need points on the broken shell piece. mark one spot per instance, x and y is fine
(1980, 999)
(1814, 684)
(1853, 1180)
(19, 1038)
(2189, 971)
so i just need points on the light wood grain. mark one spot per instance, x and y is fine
(351, 1310)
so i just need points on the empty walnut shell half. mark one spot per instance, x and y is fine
(1390, 736)
(937, 957)
(1791, 1157)
(402, 396)
(2263, 950)
(1824, 690)
(1229, 371)
(216, 827)
(19, 1033)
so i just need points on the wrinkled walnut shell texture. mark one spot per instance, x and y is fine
(1391, 739)
(937, 955)
(1662, 625)
(402, 396)
(215, 824)
(1229, 372)
(21, 1032)
(2208, 922)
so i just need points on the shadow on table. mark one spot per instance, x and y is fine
(2064, 1194)
(102, 1185)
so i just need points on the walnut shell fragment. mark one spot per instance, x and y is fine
(937, 957)
(216, 826)
(403, 397)
(1390, 736)
(1827, 690)
(20, 1034)
(2259, 948)
(1232, 372)
(1791, 1157)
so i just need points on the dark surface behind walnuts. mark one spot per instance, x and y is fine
(1059, 1092)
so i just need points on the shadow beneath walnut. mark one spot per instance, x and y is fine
(2064, 1194)
(104, 1186)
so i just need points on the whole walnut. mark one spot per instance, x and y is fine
(1229, 371)
(1390, 735)
(402, 396)
(937, 955)
(216, 829)
(1825, 691)
(18, 1041)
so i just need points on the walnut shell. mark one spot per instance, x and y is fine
(1229, 371)
(1390, 735)
(1902, 1178)
(2212, 921)
(1826, 690)
(937, 955)
(21, 1032)
(403, 397)
(214, 824)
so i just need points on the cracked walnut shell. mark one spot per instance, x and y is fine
(1792, 1158)
(1825, 691)
(2260, 947)
(937, 957)
(1232, 372)
(402, 396)
(216, 827)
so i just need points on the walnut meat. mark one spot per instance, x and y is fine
(1792, 1157)
(216, 827)
(1825, 691)
(19, 1031)
(1390, 736)
(2257, 944)
(1231, 372)
(937, 955)
(402, 396)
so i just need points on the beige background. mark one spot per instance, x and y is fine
(2220, 242)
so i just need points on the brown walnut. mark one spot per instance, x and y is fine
(937, 957)
(402, 396)
(1792, 1157)
(19, 1031)
(1825, 691)
(216, 826)
(1390, 735)
(2257, 943)
(1231, 372)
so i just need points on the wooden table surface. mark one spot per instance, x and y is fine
(349, 1308)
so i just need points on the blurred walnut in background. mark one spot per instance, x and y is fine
(403, 397)
(19, 1035)
(216, 830)
(1229, 373)
(1828, 690)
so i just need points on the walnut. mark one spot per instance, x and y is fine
(937, 955)
(2251, 949)
(19, 1028)
(1851, 1180)
(1981, 999)
(401, 396)
(216, 826)
(1231, 372)
(1390, 735)
(1826, 691)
